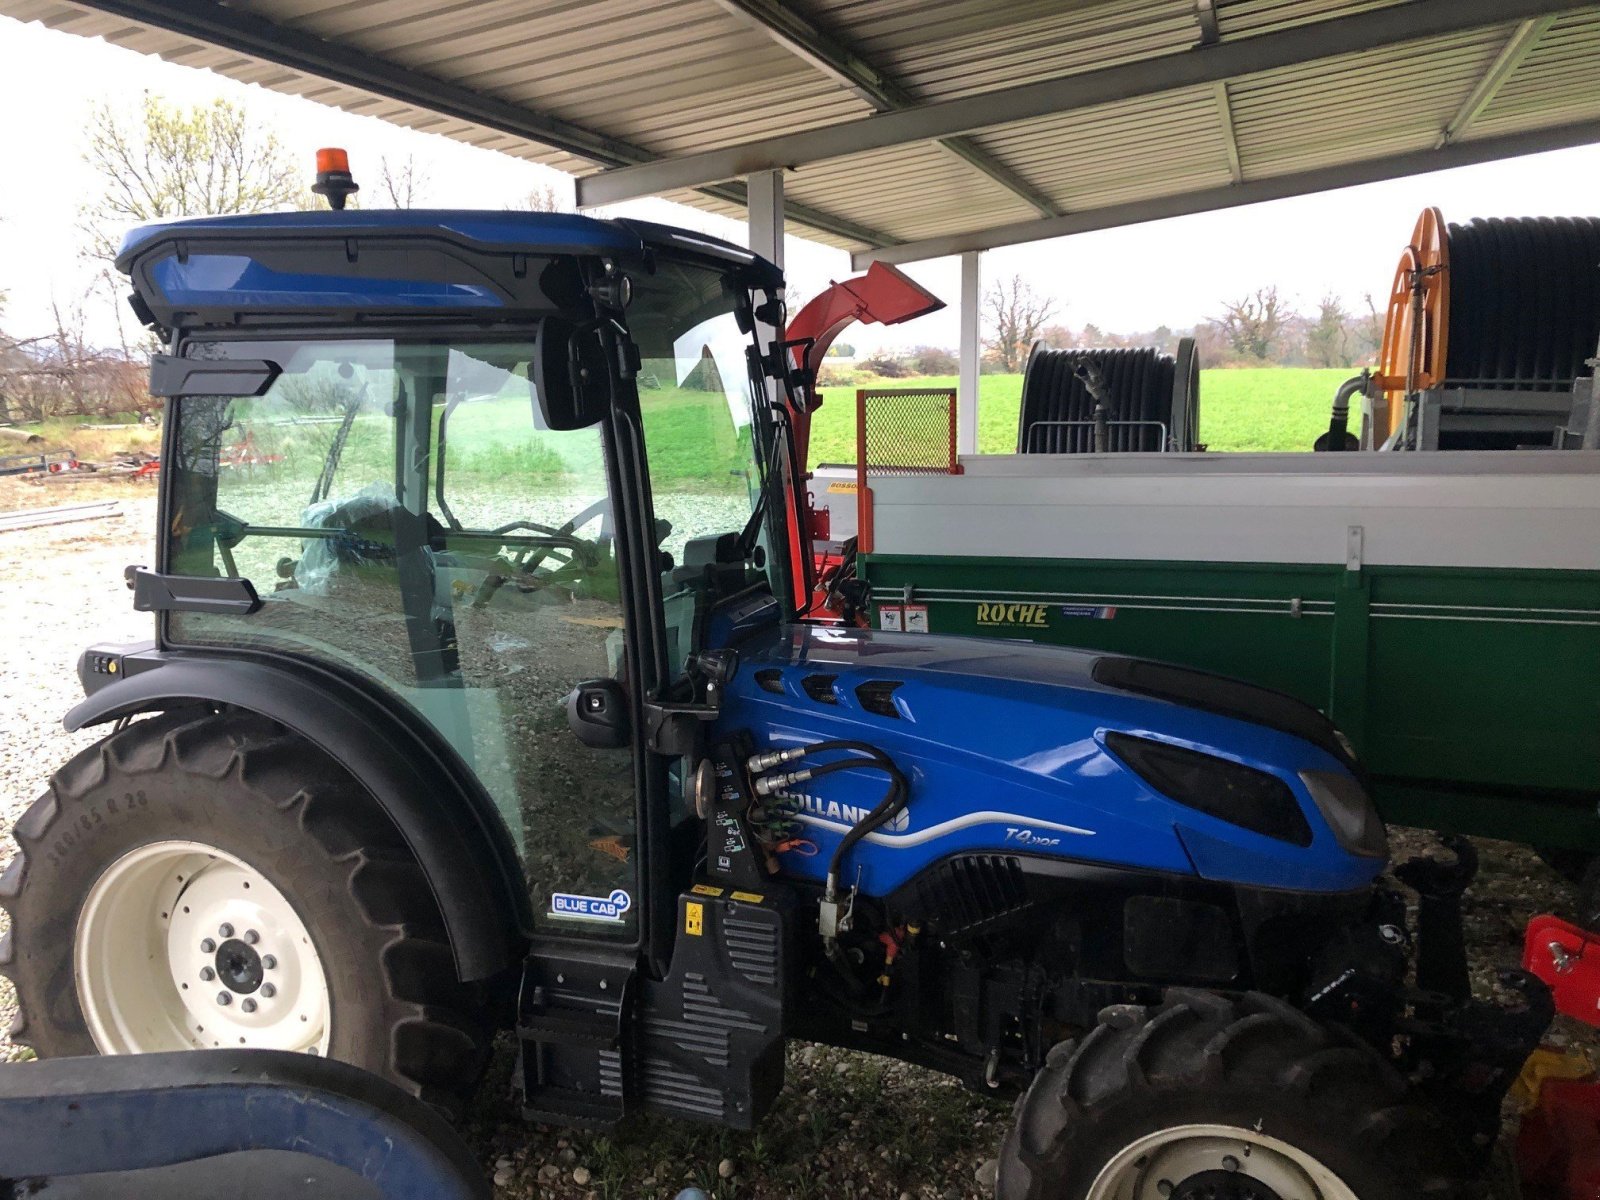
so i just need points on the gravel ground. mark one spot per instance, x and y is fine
(847, 1125)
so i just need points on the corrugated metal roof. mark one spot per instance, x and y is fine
(676, 77)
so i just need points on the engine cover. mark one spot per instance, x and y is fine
(1004, 744)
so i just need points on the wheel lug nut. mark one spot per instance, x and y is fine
(268, 991)
(269, 961)
(224, 998)
(225, 930)
(251, 937)
(247, 1005)
(207, 974)
(207, 945)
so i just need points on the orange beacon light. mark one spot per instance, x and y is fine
(334, 181)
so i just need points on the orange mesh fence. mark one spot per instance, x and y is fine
(901, 431)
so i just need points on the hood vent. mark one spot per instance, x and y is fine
(877, 696)
(770, 680)
(965, 893)
(820, 688)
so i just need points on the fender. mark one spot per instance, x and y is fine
(446, 818)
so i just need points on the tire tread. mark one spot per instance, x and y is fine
(438, 1038)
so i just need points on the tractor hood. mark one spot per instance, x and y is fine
(1012, 747)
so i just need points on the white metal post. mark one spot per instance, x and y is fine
(764, 203)
(971, 348)
(765, 190)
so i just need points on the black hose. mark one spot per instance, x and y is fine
(1524, 302)
(894, 800)
(1141, 392)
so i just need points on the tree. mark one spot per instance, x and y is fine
(165, 161)
(1369, 329)
(1015, 314)
(1253, 325)
(1328, 339)
(402, 183)
(933, 360)
(538, 199)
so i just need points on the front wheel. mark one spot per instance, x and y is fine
(1207, 1098)
(203, 880)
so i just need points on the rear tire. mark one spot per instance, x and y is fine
(192, 820)
(1205, 1097)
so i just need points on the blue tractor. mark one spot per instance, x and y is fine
(484, 695)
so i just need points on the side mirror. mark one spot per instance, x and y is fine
(569, 370)
(597, 712)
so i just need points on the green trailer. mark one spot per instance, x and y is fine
(1443, 609)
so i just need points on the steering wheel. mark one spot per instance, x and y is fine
(563, 546)
(563, 541)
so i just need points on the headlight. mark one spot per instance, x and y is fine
(1349, 811)
(1226, 790)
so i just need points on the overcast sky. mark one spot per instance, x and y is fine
(1164, 273)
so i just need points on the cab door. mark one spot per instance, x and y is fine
(409, 520)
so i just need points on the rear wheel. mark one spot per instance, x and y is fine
(1206, 1098)
(201, 880)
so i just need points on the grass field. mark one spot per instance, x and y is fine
(1259, 408)
(694, 447)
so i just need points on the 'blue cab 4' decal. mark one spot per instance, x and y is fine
(591, 908)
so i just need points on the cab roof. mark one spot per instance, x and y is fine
(211, 270)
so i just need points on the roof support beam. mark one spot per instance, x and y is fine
(1457, 154)
(241, 31)
(839, 62)
(1523, 39)
(1230, 141)
(1205, 16)
(1197, 66)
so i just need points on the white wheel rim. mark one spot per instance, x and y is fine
(1156, 1166)
(181, 946)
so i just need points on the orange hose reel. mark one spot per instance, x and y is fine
(1416, 327)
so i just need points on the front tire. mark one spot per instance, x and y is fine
(202, 879)
(1207, 1098)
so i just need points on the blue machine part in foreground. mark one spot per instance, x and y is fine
(200, 1123)
(1006, 749)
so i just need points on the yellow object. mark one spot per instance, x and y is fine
(1549, 1063)
(749, 897)
(705, 889)
(694, 918)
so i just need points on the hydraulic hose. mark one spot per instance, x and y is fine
(893, 802)
(1339, 419)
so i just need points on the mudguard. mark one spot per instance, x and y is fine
(447, 820)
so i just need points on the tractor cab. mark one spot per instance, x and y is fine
(506, 469)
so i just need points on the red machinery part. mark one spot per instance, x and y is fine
(885, 295)
(1558, 1146)
(1567, 958)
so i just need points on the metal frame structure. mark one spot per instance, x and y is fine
(1204, 64)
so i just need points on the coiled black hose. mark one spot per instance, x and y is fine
(1524, 302)
(1152, 400)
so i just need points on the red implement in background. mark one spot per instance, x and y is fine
(883, 296)
(1558, 1146)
